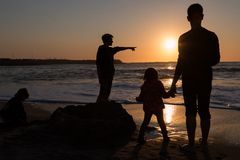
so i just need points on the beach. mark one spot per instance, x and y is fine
(224, 141)
(74, 78)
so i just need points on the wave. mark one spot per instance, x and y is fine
(78, 84)
(229, 70)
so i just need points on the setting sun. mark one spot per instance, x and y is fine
(170, 44)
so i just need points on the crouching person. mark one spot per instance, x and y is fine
(13, 113)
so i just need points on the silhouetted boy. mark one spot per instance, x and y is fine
(13, 112)
(105, 66)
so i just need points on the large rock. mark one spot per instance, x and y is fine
(105, 124)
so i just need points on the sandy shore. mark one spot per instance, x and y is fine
(224, 141)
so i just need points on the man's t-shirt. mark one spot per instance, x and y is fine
(198, 52)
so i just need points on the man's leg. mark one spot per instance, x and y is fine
(191, 128)
(205, 127)
(204, 113)
(191, 112)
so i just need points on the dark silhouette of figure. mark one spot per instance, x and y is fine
(13, 112)
(198, 52)
(105, 66)
(152, 92)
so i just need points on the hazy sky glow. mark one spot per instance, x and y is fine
(72, 29)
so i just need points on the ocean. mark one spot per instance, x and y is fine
(78, 83)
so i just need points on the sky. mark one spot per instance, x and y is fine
(72, 29)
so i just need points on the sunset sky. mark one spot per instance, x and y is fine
(72, 29)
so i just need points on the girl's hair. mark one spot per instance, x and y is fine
(150, 74)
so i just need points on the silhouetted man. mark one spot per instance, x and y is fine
(198, 52)
(105, 66)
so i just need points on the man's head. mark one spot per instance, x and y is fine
(195, 14)
(107, 39)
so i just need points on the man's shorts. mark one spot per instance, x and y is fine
(197, 99)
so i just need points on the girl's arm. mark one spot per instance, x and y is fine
(164, 93)
(140, 97)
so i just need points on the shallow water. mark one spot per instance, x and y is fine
(78, 83)
(224, 129)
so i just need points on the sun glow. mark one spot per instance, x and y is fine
(170, 44)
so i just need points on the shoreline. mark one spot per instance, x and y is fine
(64, 103)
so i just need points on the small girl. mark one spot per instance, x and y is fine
(152, 92)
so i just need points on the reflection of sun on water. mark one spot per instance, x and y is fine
(168, 113)
(170, 68)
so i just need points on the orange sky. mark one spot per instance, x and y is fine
(72, 29)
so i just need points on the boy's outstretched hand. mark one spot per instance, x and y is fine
(132, 48)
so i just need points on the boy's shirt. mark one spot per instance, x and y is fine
(105, 60)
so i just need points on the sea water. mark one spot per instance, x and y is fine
(78, 83)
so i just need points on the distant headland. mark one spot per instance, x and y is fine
(28, 62)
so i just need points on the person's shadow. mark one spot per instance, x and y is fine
(206, 154)
(194, 156)
(135, 152)
(163, 151)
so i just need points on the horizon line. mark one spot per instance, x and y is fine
(95, 59)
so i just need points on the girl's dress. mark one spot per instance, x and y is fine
(151, 96)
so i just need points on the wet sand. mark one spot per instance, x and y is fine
(224, 141)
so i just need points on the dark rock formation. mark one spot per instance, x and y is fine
(107, 124)
(93, 132)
